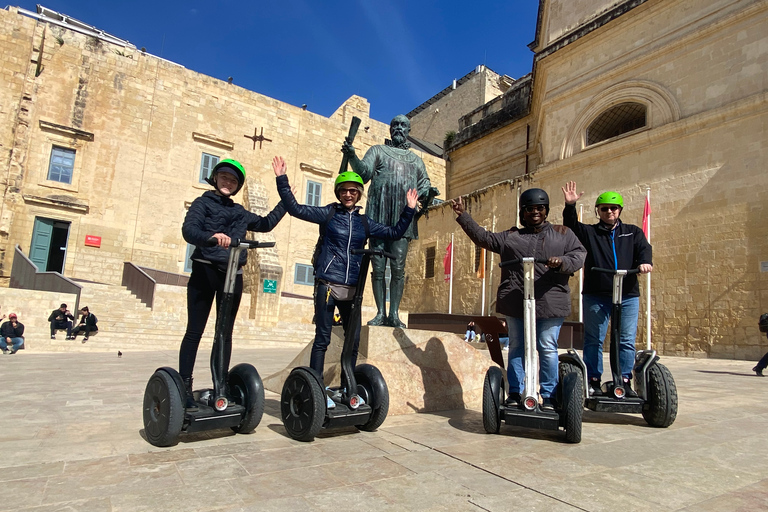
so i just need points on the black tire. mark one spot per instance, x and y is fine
(163, 410)
(573, 404)
(302, 405)
(661, 408)
(492, 397)
(369, 380)
(247, 390)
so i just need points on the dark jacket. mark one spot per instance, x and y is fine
(89, 320)
(551, 290)
(211, 213)
(343, 232)
(60, 316)
(623, 248)
(8, 331)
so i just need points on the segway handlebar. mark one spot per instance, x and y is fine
(614, 271)
(374, 252)
(520, 260)
(236, 242)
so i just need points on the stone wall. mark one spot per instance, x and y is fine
(440, 114)
(140, 125)
(699, 68)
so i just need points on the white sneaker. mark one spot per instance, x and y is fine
(330, 404)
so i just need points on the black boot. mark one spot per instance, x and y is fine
(189, 401)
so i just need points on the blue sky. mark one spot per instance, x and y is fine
(396, 54)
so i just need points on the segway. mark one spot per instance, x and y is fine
(656, 390)
(237, 398)
(303, 404)
(569, 393)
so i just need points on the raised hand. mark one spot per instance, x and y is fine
(569, 193)
(458, 205)
(279, 166)
(347, 148)
(412, 197)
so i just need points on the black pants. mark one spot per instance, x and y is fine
(61, 324)
(205, 283)
(84, 328)
(325, 305)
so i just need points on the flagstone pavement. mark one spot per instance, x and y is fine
(71, 439)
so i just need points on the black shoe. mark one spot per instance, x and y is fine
(628, 391)
(758, 371)
(547, 405)
(13, 352)
(594, 387)
(513, 400)
(189, 401)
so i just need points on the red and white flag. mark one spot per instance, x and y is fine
(447, 261)
(647, 218)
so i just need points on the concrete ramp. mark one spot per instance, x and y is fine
(425, 370)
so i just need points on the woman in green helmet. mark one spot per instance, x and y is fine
(215, 215)
(615, 245)
(343, 228)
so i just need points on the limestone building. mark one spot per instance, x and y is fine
(104, 146)
(669, 96)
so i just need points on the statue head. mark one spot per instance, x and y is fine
(399, 129)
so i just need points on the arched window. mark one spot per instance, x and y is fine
(615, 121)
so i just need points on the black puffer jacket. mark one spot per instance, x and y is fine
(622, 248)
(551, 290)
(211, 213)
(345, 231)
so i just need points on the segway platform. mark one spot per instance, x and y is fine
(609, 404)
(208, 418)
(530, 419)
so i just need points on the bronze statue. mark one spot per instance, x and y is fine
(392, 169)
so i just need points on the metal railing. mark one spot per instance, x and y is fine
(25, 275)
(139, 283)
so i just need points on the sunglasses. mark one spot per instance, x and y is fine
(535, 208)
(611, 208)
(349, 191)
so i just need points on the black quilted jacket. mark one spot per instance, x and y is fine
(210, 214)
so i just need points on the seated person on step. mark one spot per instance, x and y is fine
(61, 318)
(11, 333)
(87, 324)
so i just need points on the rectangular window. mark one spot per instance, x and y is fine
(429, 267)
(187, 260)
(304, 274)
(207, 163)
(62, 164)
(313, 193)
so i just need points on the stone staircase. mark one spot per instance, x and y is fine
(125, 323)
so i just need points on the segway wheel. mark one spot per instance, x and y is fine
(163, 410)
(492, 397)
(302, 405)
(372, 387)
(661, 408)
(247, 390)
(573, 402)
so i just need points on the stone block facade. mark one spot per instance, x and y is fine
(140, 128)
(699, 70)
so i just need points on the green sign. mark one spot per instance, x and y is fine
(270, 286)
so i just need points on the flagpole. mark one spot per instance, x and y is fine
(450, 286)
(482, 262)
(648, 279)
(581, 276)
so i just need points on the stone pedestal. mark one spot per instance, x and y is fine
(424, 370)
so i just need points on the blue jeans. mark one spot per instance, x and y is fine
(15, 342)
(597, 313)
(547, 331)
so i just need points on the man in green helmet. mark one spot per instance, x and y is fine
(392, 169)
(615, 245)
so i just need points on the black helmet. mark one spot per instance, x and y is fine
(531, 197)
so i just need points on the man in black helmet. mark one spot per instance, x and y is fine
(564, 254)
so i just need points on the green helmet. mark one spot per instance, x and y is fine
(232, 166)
(610, 197)
(348, 177)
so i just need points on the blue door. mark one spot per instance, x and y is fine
(41, 243)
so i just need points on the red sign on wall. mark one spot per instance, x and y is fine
(92, 241)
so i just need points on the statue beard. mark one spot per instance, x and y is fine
(398, 139)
